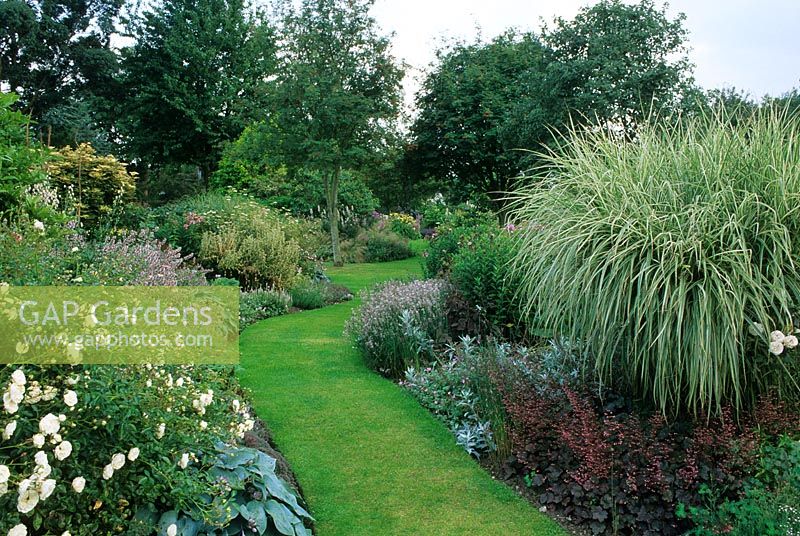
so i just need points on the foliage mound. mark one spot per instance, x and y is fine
(672, 256)
(95, 182)
(398, 324)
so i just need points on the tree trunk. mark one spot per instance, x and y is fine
(332, 197)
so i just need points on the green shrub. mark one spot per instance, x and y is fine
(254, 251)
(260, 304)
(446, 243)
(663, 253)
(398, 324)
(21, 159)
(95, 182)
(480, 272)
(138, 437)
(307, 295)
(770, 505)
(382, 246)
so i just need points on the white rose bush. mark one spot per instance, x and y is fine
(90, 450)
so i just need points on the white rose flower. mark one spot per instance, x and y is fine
(108, 472)
(70, 398)
(236, 405)
(38, 440)
(172, 530)
(18, 377)
(49, 424)
(66, 533)
(16, 392)
(790, 341)
(42, 471)
(117, 461)
(179, 382)
(776, 336)
(38, 225)
(27, 500)
(63, 450)
(18, 530)
(203, 425)
(133, 454)
(160, 432)
(184, 461)
(41, 458)
(9, 430)
(776, 347)
(9, 405)
(47, 488)
(78, 483)
(5, 474)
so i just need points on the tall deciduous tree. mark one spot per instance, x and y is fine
(338, 91)
(195, 77)
(55, 53)
(463, 105)
(615, 63)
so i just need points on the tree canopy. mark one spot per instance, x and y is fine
(337, 94)
(485, 109)
(194, 78)
(463, 105)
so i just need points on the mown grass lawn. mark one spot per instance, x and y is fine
(370, 459)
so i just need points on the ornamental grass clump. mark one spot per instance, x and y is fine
(673, 257)
(399, 323)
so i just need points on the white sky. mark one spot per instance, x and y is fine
(751, 45)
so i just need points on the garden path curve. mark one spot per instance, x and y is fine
(369, 458)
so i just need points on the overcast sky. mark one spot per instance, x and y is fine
(751, 45)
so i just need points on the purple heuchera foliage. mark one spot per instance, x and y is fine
(146, 260)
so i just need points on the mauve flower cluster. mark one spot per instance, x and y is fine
(137, 258)
(394, 318)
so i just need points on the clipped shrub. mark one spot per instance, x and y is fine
(254, 251)
(260, 304)
(95, 182)
(383, 246)
(664, 252)
(398, 324)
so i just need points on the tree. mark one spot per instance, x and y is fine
(614, 64)
(21, 159)
(463, 104)
(337, 95)
(53, 52)
(195, 77)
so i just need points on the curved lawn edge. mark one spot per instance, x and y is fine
(369, 458)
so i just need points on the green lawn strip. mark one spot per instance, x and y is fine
(370, 459)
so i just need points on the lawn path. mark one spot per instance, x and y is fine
(370, 459)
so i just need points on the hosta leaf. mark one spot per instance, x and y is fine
(281, 516)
